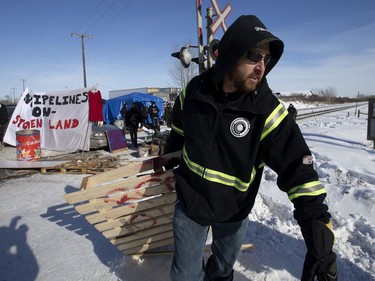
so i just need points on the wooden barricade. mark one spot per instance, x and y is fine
(132, 210)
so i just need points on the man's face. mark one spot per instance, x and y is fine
(247, 73)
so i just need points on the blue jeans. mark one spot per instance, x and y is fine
(189, 240)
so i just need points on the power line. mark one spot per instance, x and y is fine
(97, 6)
(64, 51)
(99, 18)
(118, 13)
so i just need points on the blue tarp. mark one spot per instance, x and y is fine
(111, 109)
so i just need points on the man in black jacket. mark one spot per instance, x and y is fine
(133, 118)
(292, 111)
(153, 111)
(229, 125)
(4, 118)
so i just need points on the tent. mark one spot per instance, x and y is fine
(111, 109)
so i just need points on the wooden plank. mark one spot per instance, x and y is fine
(146, 240)
(120, 187)
(118, 173)
(122, 199)
(136, 217)
(145, 233)
(133, 228)
(119, 150)
(131, 208)
(68, 170)
(129, 170)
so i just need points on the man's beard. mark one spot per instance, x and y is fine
(243, 84)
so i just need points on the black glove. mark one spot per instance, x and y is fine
(172, 163)
(320, 260)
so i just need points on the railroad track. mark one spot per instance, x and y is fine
(316, 111)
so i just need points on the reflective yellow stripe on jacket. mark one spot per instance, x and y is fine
(219, 177)
(274, 120)
(182, 98)
(216, 176)
(178, 130)
(313, 188)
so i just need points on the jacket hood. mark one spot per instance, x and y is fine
(247, 32)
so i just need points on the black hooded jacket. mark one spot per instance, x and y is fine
(228, 138)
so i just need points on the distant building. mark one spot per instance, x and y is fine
(168, 94)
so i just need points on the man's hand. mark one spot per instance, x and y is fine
(172, 163)
(320, 260)
(168, 161)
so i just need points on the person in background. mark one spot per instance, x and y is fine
(292, 111)
(153, 111)
(168, 115)
(144, 115)
(4, 118)
(123, 111)
(133, 118)
(229, 125)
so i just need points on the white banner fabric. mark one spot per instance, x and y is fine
(61, 118)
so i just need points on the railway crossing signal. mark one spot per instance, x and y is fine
(208, 52)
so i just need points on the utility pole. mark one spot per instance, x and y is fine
(83, 36)
(14, 94)
(23, 84)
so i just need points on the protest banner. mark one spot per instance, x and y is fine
(61, 118)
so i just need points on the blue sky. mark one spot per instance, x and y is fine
(328, 43)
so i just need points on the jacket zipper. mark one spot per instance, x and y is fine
(210, 150)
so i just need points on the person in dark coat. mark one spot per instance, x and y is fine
(133, 118)
(144, 115)
(292, 111)
(229, 125)
(123, 111)
(168, 115)
(4, 117)
(153, 111)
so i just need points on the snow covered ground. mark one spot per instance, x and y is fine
(44, 238)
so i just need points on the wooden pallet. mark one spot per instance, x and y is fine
(131, 208)
(72, 170)
(133, 211)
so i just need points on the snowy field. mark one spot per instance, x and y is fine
(44, 238)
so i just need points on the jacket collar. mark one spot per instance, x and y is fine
(256, 102)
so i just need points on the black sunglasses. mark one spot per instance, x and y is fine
(256, 57)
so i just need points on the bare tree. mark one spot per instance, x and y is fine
(181, 75)
(329, 92)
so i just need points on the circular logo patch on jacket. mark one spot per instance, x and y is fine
(240, 127)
